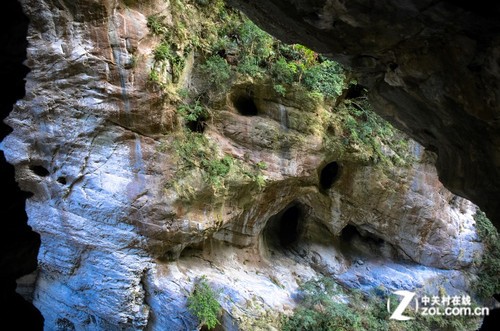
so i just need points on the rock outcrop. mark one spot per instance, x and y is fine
(126, 226)
(431, 67)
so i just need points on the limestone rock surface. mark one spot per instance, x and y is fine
(121, 246)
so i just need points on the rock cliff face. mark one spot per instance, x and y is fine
(431, 67)
(123, 235)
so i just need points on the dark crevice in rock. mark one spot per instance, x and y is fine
(196, 126)
(329, 175)
(245, 105)
(350, 233)
(39, 170)
(18, 243)
(354, 91)
(492, 320)
(195, 249)
(62, 180)
(354, 243)
(289, 226)
(64, 324)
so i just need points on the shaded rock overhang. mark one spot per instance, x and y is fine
(432, 68)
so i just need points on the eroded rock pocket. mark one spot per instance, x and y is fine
(329, 175)
(284, 229)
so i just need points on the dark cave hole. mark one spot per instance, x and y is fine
(18, 243)
(355, 243)
(197, 126)
(289, 226)
(39, 170)
(355, 91)
(61, 180)
(193, 249)
(349, 232)
(491, 321)
(246, 106)
(284, 229)
(329, 175)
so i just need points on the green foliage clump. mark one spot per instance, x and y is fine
(193, 112)
(326, 78)
(163, 53)
(250, 66)
(217, 71)
(284, 72)
(155, 25)
(233, 45)
(202, 302)
(320, 310)
(488, 283)
(197, 152)
(192, 147)
(353, 126)
(190, 28)
(258, 43)
(217, 170)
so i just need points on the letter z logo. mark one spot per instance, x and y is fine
(398, 313)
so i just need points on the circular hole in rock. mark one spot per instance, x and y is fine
(39, 170)
(61, 180)
(285, 228)
(329, 174)
(246, 106)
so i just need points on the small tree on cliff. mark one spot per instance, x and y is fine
(202, 303)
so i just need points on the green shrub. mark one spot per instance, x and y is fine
(488, 282)
(162, 52)
(284, 72)
(254, 41)
(191, 148)
(155, 25)
(202, 302)
(280, 89)
(195, 151)
(217, 72)
(250, 66)
(193, 112)
(327, 78)
(319, 311)
(216, 170)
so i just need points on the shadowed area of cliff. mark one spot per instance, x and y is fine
(431, 67)
(18, 243)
